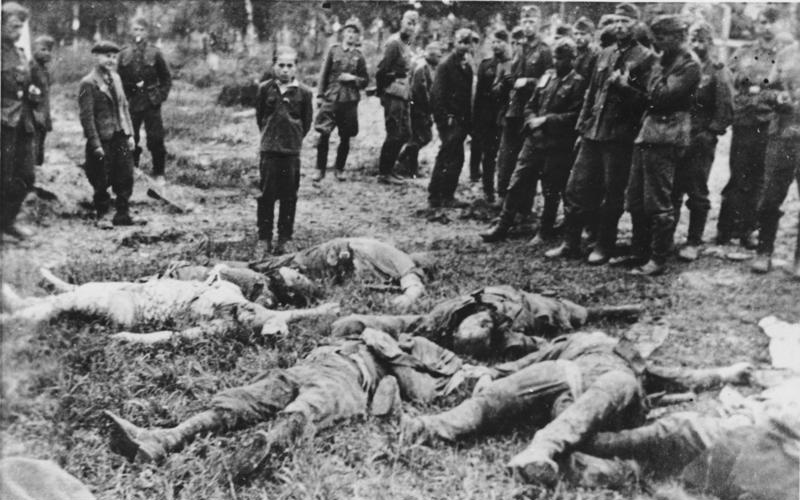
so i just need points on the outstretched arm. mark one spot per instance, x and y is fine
(681, 379)
(213, 327)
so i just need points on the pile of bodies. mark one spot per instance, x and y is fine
(587, 392)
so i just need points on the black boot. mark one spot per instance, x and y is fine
(548, 220)
(322, 157)
(697, 224)
(341, 153)
(137, 153)
(265, 215)
(159, 153)
(499, 231)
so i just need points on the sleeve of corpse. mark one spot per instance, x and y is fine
(355, 324)
(213, 327)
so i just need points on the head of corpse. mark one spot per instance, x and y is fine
(477, 335)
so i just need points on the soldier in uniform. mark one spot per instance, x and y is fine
(750, 66)
(392, 86)
(550, 117)
(147, 82)
(485, 126)
(586, 58)
(608, 124)
(532, 59)
(108, 128)
(18, 124)
(711, 114)
(660, 145)
(421, 120)
(344, 74)
(451, 100)
(783, 152)
(40, 77)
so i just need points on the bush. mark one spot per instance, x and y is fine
(71, 62)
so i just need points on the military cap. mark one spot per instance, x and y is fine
(354, 23)
(530, 11)
(501, 34)
(627, 10)
(141, 22)
(13, 9)
(564, 30)
(668, 23)
(584, 24)
(466, 35)
(565, 48)
(702, 29)
(105, 47)
(44, 41)
(606, 19)
(517, 33)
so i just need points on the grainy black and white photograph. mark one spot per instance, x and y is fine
(399, 250)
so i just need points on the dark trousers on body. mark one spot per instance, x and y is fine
(511, 139)
(114, 170)
(280, 180)
(396, 114)
(154, 128)
(483, 150)
(649, 199)
(449, 161)
(691, 180)
(595, 193)
(40, 136)
(16, 171)
(342, 116)
(782, 166)
(421, 135)
(748, 147)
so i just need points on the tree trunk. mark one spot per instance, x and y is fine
(250, 29)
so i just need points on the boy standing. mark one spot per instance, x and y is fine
(108, 129)
(40, 77)
(344, 74)
(283, 112)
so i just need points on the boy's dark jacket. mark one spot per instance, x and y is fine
(283, 120)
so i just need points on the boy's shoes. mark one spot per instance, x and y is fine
(340, 176)
(280, 246)
(318, 176)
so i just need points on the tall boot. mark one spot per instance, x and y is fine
(134, 442)
(341, 153)
(268, 446)
(662, 237)
(571, 246)
(159, 153)
(549, 213)
(697, 224)
(137, 153)
(322, 156)
(499, 231)
(265, 214)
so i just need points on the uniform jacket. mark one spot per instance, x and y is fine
(16, 82)
(560, 101)
(392, 74)
(451, 94)
(283, 119)
(585, 61)
(40, 77)
(785, 77)
(712, 109)
(531, 61)
(486, 108)
(100, 116)
(750, 65)
(340, 61)
(421, 83)
(670, 95)
(611, 112)
(145, 75)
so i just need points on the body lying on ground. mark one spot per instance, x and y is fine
(748, 450)
(577, 385)
(495, 320)
(352, 377)
(364, 257)
(211, 307)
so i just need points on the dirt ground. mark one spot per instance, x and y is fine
(57, 378)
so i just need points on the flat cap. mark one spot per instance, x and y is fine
(466, 35)
(355, 23)
(702, 29)
(501, 34)
(530, 11)
(606, 19)
(105, 47)
(141, 22)
(583, 24)
(668, 23)
(565, 48)
(627, 10)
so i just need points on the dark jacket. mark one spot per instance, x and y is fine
(451, 94)
(100, 116)
(487, 105)
(145, 76)
(750, 67)
(421, 83)
(340, 61)
(611, 112)
(284, 120)
(531, 61)
(392, 74)
(16, 81)
(670, 95)
(712, 109)
(785, 77)
(559, 100)
(585, 61)
(40, 77)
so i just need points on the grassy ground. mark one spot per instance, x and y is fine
(57, 378)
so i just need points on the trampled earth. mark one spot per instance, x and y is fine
(59, 377)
